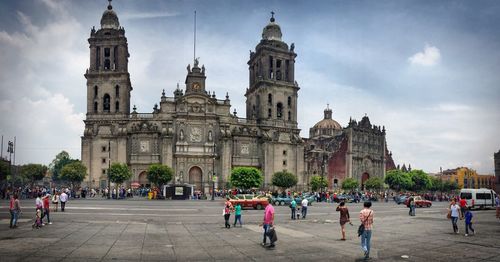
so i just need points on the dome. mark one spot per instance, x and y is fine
(272, 31)
(109, 19)
(328, 122)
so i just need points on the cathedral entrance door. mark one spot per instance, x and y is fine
(143, 179)
(195, 178)
(364, 177)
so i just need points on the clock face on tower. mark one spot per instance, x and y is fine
(196, 86)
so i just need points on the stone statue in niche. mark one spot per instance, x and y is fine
(210, 138)
(181, 135)
(245, 150)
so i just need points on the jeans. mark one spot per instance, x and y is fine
(304, 212)
(63, 205)
(454, 223)
(266, 228)
(46, 214)
(293, 212)
(226, 218)
(237, 218)
(412, 210)
(13, 217)
(365, 242)
(467, 226)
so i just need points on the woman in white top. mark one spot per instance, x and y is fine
(455, 213)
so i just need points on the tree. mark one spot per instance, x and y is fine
(74, 172)
(450, 186)
(436, 184)
(284, 179)
(421, 181)
(34, 172)
(246, 177)
(374, 183)
(119, 173)
(160, 174)
(58, 163)
(398, 180)
(318, 182)
(350, 184)
(4, 170)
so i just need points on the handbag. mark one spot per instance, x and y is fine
(361, 228)
(448, 215)
(271, 233)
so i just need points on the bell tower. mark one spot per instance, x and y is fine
(272, 91)
(108, 79)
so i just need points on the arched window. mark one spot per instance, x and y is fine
(117, 106)
(289, 101)
(269, 113)
(279, 110)
(270, 99)
(106, 100)
(117, 91)
(95, 107)
(289, 116)
(96, 90)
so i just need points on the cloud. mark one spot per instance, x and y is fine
(146, 15)
(429, 57)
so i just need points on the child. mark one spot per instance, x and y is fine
(237, 215)
(38, 219)
(468, 221)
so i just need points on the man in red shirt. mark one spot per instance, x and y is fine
(46, 209)
(463, 206)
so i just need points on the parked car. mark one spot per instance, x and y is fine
(281, 201)
(310, 199)
(419, 201)
(346, 198)
(250, 201)
(401, 199)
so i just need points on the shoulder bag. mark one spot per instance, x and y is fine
(361, 228)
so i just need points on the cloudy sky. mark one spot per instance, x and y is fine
(427, 70)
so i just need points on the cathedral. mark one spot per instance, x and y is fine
(195, 133)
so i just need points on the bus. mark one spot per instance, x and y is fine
(481, 198)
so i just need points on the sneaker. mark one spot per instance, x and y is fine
(50, 223)
(466, 235)
(271, 246)
(263, 244)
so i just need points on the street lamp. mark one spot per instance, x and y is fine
(213, 175)
(323, 164)
(10, 150)
(109, 167)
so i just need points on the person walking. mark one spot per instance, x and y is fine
(267, 223)
(237, 215)
(409, 205)
(304, 204)
(55, 201)
(293, 208)
(63, 198)
(468, 221)
(454, 215)
(344, 217)
(366, 218)
(15, 210)
(227, 212)
(463, 207)
(412, 206)
(46, 208)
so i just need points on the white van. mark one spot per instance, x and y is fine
(481, 198)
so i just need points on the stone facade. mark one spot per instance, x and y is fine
(192, 131)
(357, 151)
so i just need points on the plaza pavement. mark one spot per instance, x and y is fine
(142, 230)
